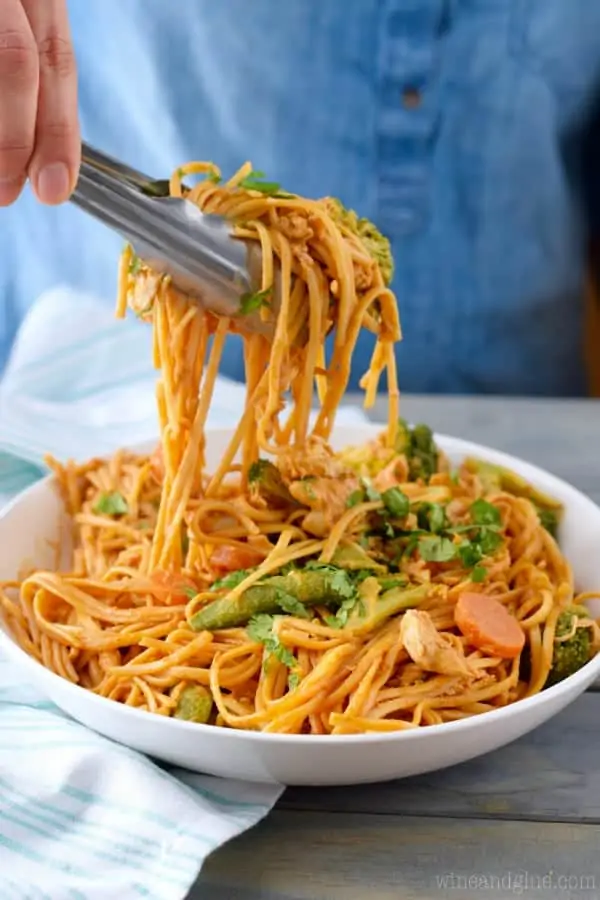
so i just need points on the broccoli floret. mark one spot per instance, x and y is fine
(575, 651)
(420, 449)
(377, 246)
(265, 478)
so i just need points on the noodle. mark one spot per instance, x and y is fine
(295, 589)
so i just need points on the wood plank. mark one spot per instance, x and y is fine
(332, 856)
(550, 774)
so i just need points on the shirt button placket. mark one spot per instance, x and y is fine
(407, 113)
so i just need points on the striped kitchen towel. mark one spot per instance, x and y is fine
(83, 818)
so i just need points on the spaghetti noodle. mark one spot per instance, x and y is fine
(295, 589)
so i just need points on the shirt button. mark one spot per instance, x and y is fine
(411, 98)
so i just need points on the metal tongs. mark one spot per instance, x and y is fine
(172, 236)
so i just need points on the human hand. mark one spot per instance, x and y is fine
(39, 129)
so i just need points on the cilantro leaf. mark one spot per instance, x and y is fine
(250, 302)
(190, 592)
(347, 606)
(212, 176)
(230, 581)
(432, 517)
(135, 265)
(355, 498)
(479, 574)
(485, 513)
(254, 182)
(371, 494)
(437, 549)
(113, 504)
(396, 502)
(470, 554)
(260, 629)
(489, 541)
(291, 605)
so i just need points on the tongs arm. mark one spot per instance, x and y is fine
(170, 234)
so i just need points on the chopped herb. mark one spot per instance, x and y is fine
(260, 629)
(370, 493)
(396, 502)
(190, 592)
(113, 504)
(485, 513)
(291, 605)
(355, 498)
(432, 517)
(230, 581)
(420, 449)
(479, 574)
(341, 581)
(212, 176)
(135, 264)
(293, 680)
(470, 554)
(250, 302)
(254, 182)
(387, 584)
(489, 541)
(437, 549)
(340, 620)
(411, 544)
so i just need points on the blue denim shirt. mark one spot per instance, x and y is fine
(458, 126)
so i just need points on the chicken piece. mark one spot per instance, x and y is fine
(295, 226)
(315, 458)
(428, 648)
(395, 473)
(326, 498)
(142, 295)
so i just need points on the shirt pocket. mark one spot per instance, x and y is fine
(559, 40)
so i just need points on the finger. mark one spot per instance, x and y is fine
(54, 165)
(18, 98)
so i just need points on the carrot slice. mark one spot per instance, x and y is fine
(230, 559)
(488, 625)
(169, 587)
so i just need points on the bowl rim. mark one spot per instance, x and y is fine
(448, 443)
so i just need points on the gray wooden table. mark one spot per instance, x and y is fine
(523, 821)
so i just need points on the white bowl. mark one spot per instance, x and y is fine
(33, 519)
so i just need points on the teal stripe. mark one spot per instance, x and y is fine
(96, 798)
(89, 797)
(58, 830)
(20, 850)
(226, 801)
(45, 745)
(56, 837)
(76, 818)
(45, 705)
(141, 890)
